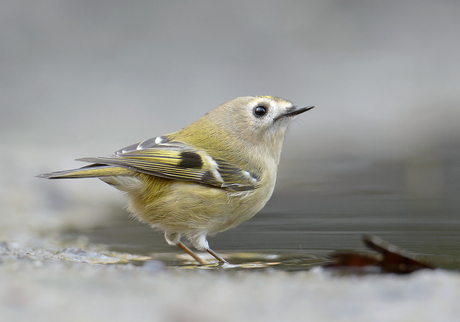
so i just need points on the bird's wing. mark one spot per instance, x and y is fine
(175, 160)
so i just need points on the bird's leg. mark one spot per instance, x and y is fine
(200, 242)
(173, 239)
(195, 256)
(213, 253)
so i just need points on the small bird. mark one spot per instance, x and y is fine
(206, 178)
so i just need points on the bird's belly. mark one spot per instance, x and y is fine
(189, 208)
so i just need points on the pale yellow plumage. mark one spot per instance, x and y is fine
(206, 178)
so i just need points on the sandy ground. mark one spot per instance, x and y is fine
(86, 285)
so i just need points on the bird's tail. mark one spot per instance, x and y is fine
(90, 171)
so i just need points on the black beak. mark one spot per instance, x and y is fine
(295, 111)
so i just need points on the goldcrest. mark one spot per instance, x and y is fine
(206, 178)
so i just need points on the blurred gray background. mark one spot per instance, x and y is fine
(380, 152)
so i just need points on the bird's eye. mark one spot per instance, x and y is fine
(260, 111)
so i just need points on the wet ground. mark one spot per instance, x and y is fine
(46, 280)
